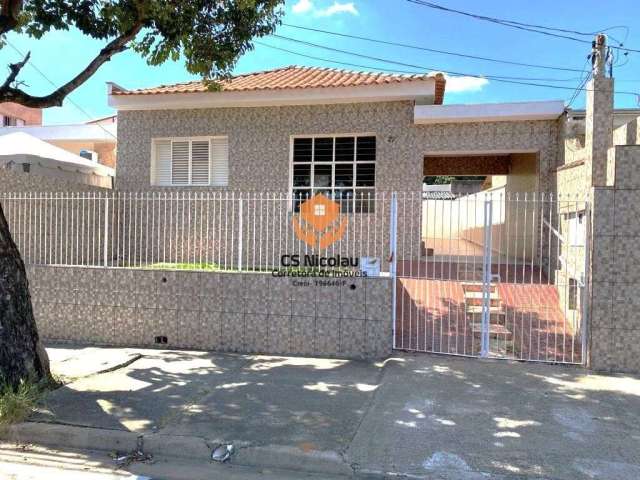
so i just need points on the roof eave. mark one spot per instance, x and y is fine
(263, 98)
(82, 132)
(488, 112)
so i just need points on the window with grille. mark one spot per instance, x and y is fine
(198, 161)
(341, 167)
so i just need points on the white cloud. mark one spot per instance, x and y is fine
(338, 8)
(302, 6)
(306, 6)
(464, 84)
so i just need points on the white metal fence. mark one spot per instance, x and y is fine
(491, 274)
(499, 274)
(195, 230)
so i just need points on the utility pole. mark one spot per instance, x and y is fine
(599, 114)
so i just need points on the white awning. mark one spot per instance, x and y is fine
(22, 148)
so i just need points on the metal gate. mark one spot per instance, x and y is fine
(494, 274)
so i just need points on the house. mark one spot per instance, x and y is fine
(15, 115)
(534, 267)
(348, 135)
(24, 157)
(58, 157)
(94, 140)
(267, 129)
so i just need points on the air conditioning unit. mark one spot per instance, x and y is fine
(89, 155)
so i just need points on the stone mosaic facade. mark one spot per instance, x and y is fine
(259, 140)
(598, 128)
(227, 312)
(615, 272)
(259, 145)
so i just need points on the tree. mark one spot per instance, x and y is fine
(209, 34)
(22, 356)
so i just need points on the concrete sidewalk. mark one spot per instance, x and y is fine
(422, 415)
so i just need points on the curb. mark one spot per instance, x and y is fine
(177, 446)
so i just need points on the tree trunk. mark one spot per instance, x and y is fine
(21, 355)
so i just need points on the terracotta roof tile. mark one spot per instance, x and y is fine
(294, 77)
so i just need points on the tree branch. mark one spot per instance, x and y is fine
(15, 70)
(9, 13)
(55, 98)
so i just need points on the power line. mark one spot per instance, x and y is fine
(445, 52)
(586, 75)
(347, 64)
(368, 67)
(578, 89)
(449, 72)
(533, 25)
(80, 109)
(371, 67)
(495, 77)
(520, 25)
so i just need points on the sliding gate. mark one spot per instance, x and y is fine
(494, 274)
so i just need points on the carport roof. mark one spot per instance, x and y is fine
(488, 112)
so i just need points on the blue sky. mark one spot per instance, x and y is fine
(60, 55)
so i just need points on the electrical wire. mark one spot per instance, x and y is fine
(512, 80)
(368, 67)
(522, 26)
(444, 52)
(584, 78)
(347, 64)
(43, 75)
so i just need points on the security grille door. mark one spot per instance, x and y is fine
(494, 274)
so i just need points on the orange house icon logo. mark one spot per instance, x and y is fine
(319, 223)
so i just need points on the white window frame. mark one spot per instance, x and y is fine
(332, 163)
(209, 139)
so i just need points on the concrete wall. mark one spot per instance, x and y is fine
(628, 133)
(607, 169)
(615, 298)
(17, 181)
(228, 312)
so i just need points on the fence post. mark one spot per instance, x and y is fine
(486, 279)
(240, 232)
(393, 258)
(586, 289)
(105, 256)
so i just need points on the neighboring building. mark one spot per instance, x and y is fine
(94, 140)
(438, 192)
(15, 115)
(28, 163)
(86, 152)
